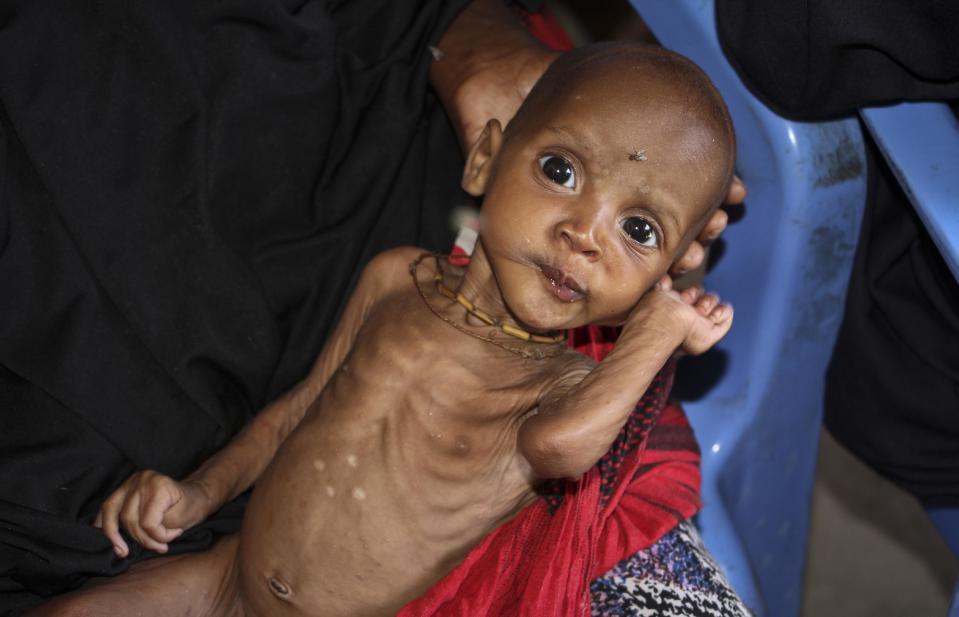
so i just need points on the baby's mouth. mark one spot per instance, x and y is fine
(564, 286)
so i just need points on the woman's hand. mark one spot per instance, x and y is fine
(486, 65)
(154, 509)
(696, 253)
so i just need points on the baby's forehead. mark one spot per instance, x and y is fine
(634, 111)
(637, 85)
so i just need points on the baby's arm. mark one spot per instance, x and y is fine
(155, 509)
(579, 417)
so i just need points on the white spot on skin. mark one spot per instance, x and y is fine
(359, 494)
(330, 490)
(352, 461)
(319, 465)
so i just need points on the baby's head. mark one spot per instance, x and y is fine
(608, 171)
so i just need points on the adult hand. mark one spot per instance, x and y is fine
(696, 253)
(486, 65)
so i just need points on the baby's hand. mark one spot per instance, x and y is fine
(698, 317)
(154, 509)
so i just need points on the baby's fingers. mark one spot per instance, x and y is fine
(691, 295)
(721, 314)
(130, 517)
(706, 303)
(153, 510)
(109, 520)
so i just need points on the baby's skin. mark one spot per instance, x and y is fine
(421, 428)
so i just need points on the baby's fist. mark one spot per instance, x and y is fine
(708, 319)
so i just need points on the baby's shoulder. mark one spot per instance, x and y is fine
(389, 271)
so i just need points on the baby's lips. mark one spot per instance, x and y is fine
(564, 286)
(560, 278)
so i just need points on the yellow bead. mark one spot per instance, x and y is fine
(514, 331)
(483, 316)
(445, 291)
(537, 338)
(466, 303)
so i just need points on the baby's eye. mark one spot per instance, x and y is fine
(641, 231)
(558, 170)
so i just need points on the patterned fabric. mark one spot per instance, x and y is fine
(675, 577)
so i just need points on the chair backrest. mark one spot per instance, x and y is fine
(785, 268)
(920, 141)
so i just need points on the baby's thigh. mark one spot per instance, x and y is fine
(202, 584)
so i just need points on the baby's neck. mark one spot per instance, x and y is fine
(478, 285)
(469, 289)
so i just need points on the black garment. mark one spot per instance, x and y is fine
(892, 387)
(188, 191)
(817, 59)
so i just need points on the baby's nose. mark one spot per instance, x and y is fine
(582, 237)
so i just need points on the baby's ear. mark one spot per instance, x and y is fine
(479, 163)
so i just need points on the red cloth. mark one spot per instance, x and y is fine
(541, 562)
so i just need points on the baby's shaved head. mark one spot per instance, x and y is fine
(627, 81)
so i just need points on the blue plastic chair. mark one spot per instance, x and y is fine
(785, 270)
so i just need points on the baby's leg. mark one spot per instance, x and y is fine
(202, 584)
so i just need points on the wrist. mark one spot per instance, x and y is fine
(208, 494)
(659, 318)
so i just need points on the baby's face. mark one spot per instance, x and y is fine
(585, 210)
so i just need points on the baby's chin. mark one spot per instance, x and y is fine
(541, 323)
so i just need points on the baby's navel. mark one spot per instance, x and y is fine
(279, 588)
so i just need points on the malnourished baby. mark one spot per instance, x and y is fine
(446, 395)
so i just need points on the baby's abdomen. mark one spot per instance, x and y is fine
(325, 533)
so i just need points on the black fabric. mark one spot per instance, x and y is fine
(816, 59)
(187, 192)
(892, 388)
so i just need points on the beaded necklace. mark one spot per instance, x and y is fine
(511, 330)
